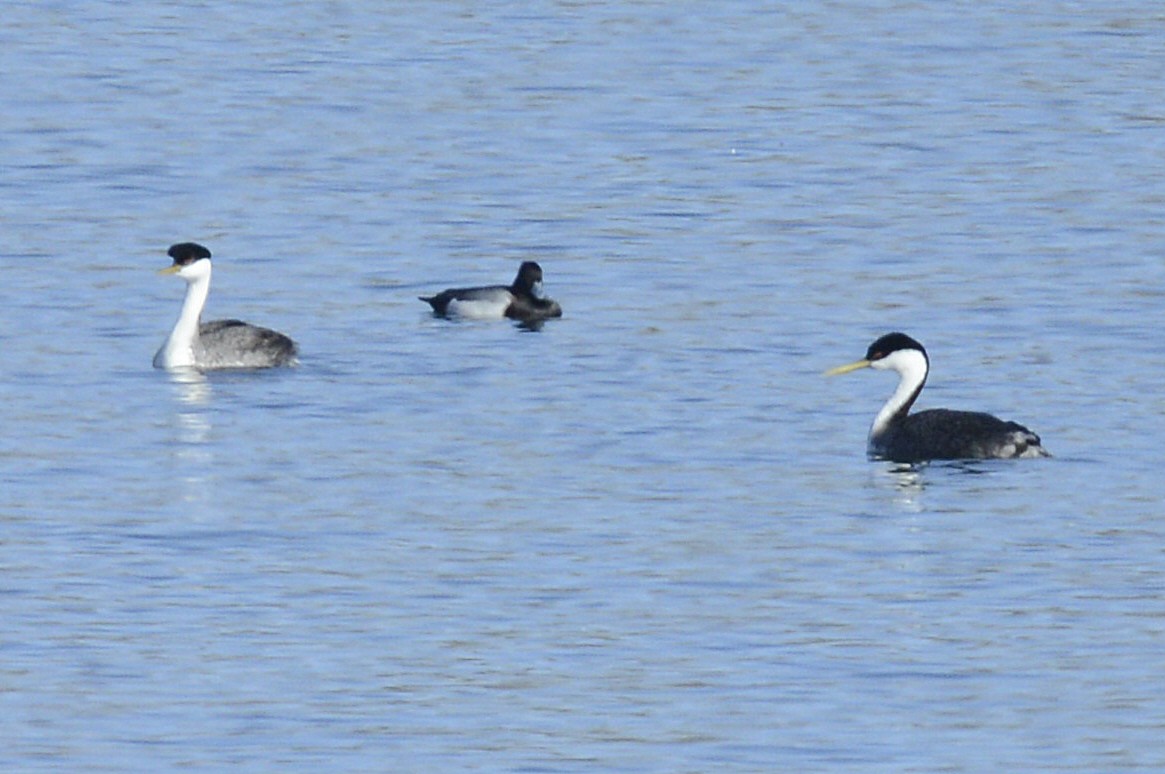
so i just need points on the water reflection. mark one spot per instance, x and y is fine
(191, 386)
(192, 420)
(905, 482)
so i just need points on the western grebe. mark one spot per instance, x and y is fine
(522, 300)
(936, 434)
(217, 344)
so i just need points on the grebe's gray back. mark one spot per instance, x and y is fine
(217, 344)
(936, 434)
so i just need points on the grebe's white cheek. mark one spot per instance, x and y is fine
(195, 270)
(904, 361)
(536, 289)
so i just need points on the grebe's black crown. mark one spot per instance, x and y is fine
(892, 342)
(185, 253)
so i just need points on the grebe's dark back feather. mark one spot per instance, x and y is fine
(943, 434)
(253, 346)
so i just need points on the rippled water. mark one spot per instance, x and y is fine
(645, 537)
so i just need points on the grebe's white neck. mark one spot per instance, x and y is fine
(912, 367)
(178, 351)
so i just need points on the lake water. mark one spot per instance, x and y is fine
(645, 537)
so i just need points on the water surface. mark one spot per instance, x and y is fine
(644, 537)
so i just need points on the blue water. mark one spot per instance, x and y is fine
(645, 537)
